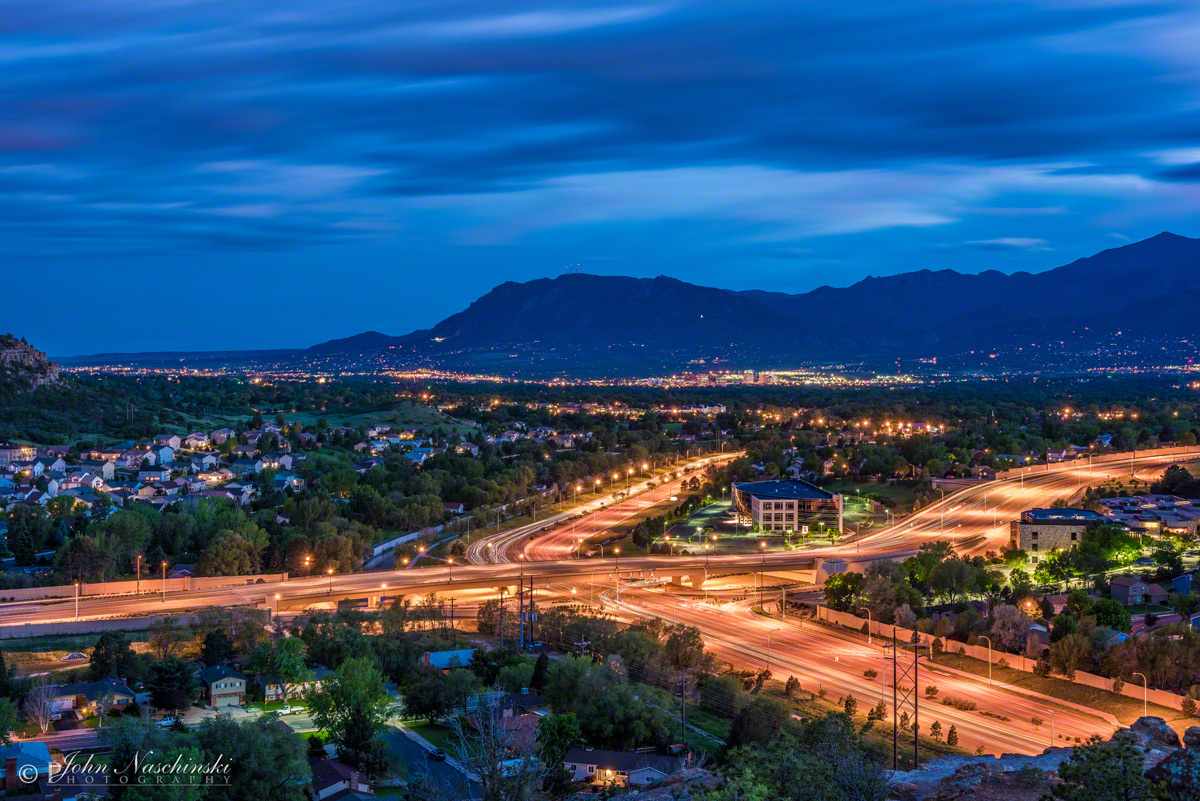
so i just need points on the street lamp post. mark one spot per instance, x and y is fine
(329, 572)
(868, 611)
(769, 633)
(138, 590)
(77, 601)
(164, 582)
(762, 547)
(989, 641)
(1145, 693)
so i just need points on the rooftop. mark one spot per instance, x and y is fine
(791, 488)
(1063, 516)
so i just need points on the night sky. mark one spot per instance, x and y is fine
(204, 175)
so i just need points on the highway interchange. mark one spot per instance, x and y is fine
(975, 520)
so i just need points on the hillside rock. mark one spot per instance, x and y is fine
(25, 367)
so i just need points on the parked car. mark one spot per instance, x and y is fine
(74, 655)
(286, 709)
(168, 721)
(1145, 561)
(437, 755)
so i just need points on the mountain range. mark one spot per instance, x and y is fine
(581, 323)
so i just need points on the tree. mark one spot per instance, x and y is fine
(758, 723)
(267, 762)
(351, 705)
(850, 705)
(541, 670)
(952, 735)
(283, 661)
(843, 590)
(1070, 653)
(1113, 615)
(556, 734)
(39, 704)
(508, 768)
(1010, 627)
(165, 637)
(935, 731)
(217, 648)
(172, 685)
(428, 699)
(1100, 771)
(616, 717)
(9, 720)
(111, 656)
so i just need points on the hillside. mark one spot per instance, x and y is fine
(24, 368)
(576, 321)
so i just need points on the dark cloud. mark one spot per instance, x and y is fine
(133, 126)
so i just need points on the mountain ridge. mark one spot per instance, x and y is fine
(669, 321)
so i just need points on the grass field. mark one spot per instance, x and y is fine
(441, 736)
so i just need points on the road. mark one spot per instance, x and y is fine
(589, 519)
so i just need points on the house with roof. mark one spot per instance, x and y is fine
(244, 451)
(196, 440)
(620, 768)
(445, 660)
(1131, 591)
(163, 454)
(246, 467)
(153, 473)
(172, 441)
(216, 476)
(220, 435)
(223, 686)
(23, 765)
(133, 458)
(86, 697)
(288, 480)
(11, 452)
(105, 468)
(273, 692)
(337, 781)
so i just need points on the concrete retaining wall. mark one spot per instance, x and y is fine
(148, 585)
(1015, 661)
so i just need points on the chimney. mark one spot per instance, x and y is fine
(10, 774)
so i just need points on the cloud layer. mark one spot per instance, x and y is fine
(153, 149)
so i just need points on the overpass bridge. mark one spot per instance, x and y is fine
(690, 572)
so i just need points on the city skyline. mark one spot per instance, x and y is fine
(249, 159)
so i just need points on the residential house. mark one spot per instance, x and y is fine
(81, 478)
(172, 441)
(133, 458)
(153, 473)
(467, 447)
(223, 686)
(10, 453)
(273, 692)
(105, 468)
(87, 696)
(52, 464)
(376, 430)
(621, 768)
(288, 480)
(205, 461)
(182, 571)
(220, 435)
(214, 477)
(23, 765)
(197, 440)
(337, 781)
(1131, 590)
(246, 467)
(164, 454)
(245, 451)
(455, 508)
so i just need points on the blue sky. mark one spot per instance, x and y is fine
(199, 175)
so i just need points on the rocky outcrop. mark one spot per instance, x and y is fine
(25, 367)
(1171, 765)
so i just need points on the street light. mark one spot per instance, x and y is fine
(617, 558)
(868, 611)
(138, 590)
(762, 547)
(77, 601)
(769, 633)
(164, 582)
(450, 561)
(989, 639)
(330, 573)
(1145, 694)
